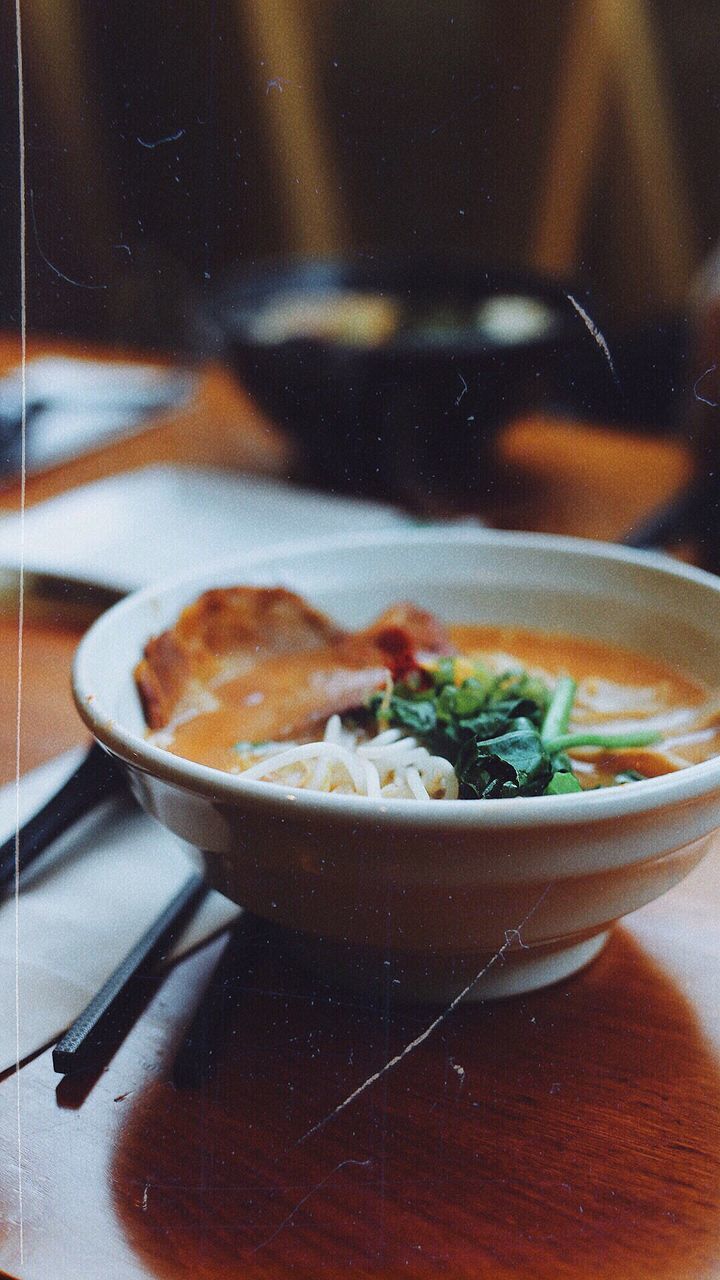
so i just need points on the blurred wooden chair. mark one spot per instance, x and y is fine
(278, 34)
(610, 49)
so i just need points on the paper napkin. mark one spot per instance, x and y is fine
(96, 892)
(130, 529)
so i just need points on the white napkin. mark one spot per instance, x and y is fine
(87, 903)
(77, 406)
(130, 529)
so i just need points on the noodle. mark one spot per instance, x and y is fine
(386, 766)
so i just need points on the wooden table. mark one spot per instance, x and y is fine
(571, 1133)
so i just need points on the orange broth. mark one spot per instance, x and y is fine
(617, 688)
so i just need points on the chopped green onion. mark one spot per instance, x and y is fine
(557, 717)
(470, 697)
(611, 741)
(444, 673)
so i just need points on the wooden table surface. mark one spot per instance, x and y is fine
(571, 1133)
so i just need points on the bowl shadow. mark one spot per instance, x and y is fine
(570, 1133)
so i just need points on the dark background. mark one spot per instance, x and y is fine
(166, 141)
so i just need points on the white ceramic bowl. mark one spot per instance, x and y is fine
(423, 895)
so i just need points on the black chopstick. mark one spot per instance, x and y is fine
(94, 780)
(87, 1041)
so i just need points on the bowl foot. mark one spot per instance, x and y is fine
(414, 979)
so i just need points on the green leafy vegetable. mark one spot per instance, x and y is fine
(561, 784)
(419, 716)
(512, 764)
(506, 735)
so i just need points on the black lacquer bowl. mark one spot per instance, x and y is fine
(394, 373)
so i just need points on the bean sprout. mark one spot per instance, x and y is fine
(386, 766)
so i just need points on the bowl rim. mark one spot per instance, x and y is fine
(672, 789)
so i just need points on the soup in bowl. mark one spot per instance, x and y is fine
(441, 760)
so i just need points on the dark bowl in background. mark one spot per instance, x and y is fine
(415, 418)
